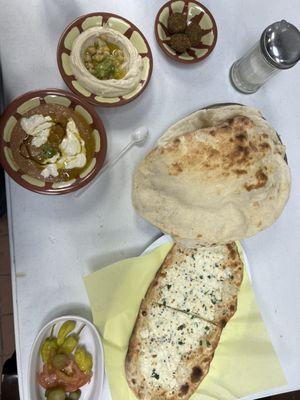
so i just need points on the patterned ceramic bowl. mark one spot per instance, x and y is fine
(195, 12)
(23, 104)
(121, 25)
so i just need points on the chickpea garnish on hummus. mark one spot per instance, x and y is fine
(105, 60)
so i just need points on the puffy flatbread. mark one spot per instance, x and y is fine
(223, 182)
(210, 117)
(169, 353)
(201, 281)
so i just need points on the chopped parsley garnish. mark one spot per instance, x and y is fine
(48, 151)
(154, 374)
(169, 287)
(181, 327)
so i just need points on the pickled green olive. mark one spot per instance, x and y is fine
(83, 359)
(49, 348)
(56, 394)
(60, 361)
(75, 395)
(66, 328)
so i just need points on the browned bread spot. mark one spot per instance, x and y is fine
(241, 136)
(196, 374)
(261, 181)
(240, 171)
(264, 146)
(232, 252)
(184, 389)
(176, 169)
(223, 321)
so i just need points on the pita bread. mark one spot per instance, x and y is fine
(210, 117)
(223, 182)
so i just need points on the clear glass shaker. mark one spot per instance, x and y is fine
(278, 49)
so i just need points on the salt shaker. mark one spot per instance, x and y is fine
(278, 49)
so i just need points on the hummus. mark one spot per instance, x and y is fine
(133, 64)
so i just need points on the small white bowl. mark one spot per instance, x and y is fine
(89, 337)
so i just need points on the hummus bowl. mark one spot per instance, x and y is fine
(51, 141)
(195, 13)
(87, 48)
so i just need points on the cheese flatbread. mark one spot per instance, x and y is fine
(180, 320)
(203, 281)
(169, 353)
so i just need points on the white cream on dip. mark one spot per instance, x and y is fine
(39, 127)
(73, 153)
(111, 87)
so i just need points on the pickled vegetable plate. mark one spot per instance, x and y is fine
(89, 338)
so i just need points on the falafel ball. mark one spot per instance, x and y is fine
(194, 33)
(180, 42)
(177, 23)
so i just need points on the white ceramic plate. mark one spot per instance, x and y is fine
(158, 242)
(89, 337)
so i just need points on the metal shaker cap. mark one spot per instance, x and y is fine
(280, 44)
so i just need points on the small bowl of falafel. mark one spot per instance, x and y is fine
(186, 31)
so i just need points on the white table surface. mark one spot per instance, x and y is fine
(57, 240)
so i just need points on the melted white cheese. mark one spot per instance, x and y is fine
(39, 127)
(72, 142)
(168, 336)
(51, 169)
(198, 284)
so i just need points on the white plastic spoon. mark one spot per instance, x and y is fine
(138, 136)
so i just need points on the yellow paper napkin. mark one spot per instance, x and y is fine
(244, 362)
